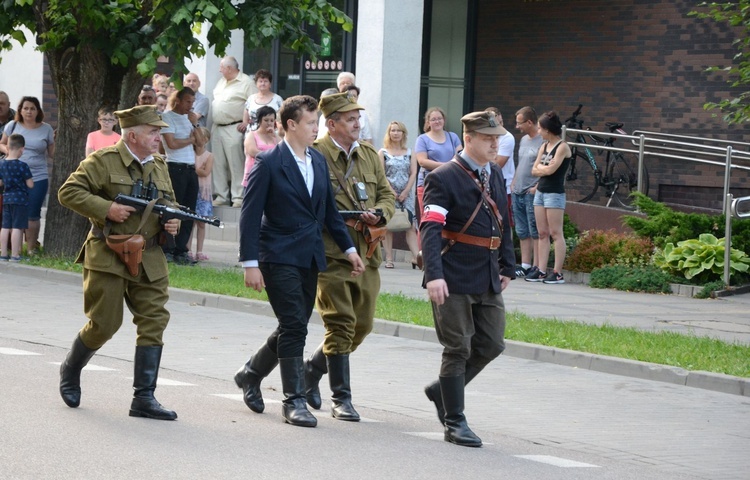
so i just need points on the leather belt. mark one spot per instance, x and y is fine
(181, 166)
(150, 242)
(228, 124)
(493, 243)
(355, 224)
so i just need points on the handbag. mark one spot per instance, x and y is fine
(399, 222)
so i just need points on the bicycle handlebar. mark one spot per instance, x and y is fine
(573, 121)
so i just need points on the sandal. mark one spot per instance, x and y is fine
(388, 264)
(200, 256)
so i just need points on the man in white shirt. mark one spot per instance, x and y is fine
(227, 133)
(199, 113)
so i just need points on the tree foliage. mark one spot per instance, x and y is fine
(735, 14)
(99, 52)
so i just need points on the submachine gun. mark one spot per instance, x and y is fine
(167, 212)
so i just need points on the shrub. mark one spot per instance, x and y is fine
(664, 225)
(647, 279)
(701, 259)
(597, 248)
(710, 288)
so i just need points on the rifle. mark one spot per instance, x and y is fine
(167, 212)
(356, 213)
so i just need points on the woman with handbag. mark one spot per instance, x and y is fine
(401, 171)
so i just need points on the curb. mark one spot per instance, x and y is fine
(612, 365)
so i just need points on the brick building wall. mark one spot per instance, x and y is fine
(640, 62)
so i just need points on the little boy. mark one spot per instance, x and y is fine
(15, 176)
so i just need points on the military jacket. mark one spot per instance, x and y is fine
(367, 169)
(90, 191)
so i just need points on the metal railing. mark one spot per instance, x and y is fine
(698, 150)
(638, 140)
(692, 149)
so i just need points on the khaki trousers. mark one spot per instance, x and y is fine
(346, 305)
(103, 297)
(229, 163)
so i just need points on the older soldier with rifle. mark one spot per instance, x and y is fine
(111, 272)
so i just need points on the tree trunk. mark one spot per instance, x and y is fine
(85, 81)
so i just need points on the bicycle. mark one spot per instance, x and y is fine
(620, 175)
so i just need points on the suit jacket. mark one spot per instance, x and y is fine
(92, 188)
(467, 269)
(279, 221)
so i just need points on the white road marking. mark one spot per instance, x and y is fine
(92, 368)
(15, 351)
(440, 436)
(556, 461)
(238, 397)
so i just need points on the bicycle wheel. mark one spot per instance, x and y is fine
(582, 179)
(622, 178)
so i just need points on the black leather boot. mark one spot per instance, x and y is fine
(433, 391)
(70, 372)
(315, 368)
(294, 406)
(146, 371)
(248, 377)
(457, 431)
(338, 374)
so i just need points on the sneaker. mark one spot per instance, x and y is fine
(535, 275)
(4, 258)
(554, 278)
(16, 259)
(169, 257)
(522, 272)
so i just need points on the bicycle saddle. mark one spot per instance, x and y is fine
(614, 126)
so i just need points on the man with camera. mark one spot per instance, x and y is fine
(107, 282)
(347, 304)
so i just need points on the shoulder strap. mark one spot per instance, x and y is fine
(342, 182)
(485, 195)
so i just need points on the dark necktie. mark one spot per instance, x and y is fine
(483, 180)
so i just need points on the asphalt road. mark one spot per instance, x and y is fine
(619, 427)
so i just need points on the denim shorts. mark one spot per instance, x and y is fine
(549, 200)
(15, 216)
(36, 198)
(523, 215)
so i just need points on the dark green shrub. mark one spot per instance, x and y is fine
(597, 248)
(664, 225)
(710, 288)
(631, 279)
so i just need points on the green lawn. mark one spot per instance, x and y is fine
(667, 348)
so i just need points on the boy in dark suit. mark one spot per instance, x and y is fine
(468, 253)
(287, 202)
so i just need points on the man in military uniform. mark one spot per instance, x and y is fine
(345, 303)
(468, 253)
(90, 191)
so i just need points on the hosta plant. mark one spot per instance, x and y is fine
(700, 259)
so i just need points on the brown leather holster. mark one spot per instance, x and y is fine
(130, 250)
(373, 235)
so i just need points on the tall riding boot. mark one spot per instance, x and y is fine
(457, 431)
(146, 371)
(433, 391)
(70, 372)
(315, 368)
(294, 407)
(338, 374)
(248, 377)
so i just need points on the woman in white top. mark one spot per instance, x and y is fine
(264, 97)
